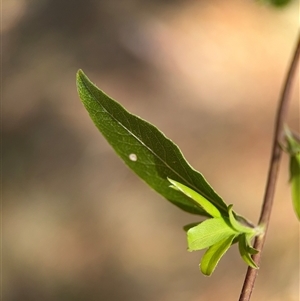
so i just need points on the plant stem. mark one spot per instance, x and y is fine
(272, 175)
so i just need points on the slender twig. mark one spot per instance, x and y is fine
(272, 175)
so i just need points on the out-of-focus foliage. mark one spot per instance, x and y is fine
(278, 3)
(293, 149)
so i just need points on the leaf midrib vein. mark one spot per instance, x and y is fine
(149, 149)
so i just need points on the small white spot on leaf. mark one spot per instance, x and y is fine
(133, 157)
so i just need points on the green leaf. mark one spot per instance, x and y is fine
(293, 143)
(208, 233)
(213, 255)
(202, 201)
(250, 249)
(146, 150)
(246, 251)
(236, 224)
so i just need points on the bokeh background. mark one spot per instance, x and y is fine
(77, 224)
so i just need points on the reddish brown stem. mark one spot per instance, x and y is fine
(272, 175)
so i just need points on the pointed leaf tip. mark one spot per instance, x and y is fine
(79, 74)
(213, 255)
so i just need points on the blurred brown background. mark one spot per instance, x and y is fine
(77, 224)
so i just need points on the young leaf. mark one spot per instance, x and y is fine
(237, 225)
(250, 249)
(293, 142)
(146, 150)
(213, 255)
(246, 251)
(202, 201)
(208, 233)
